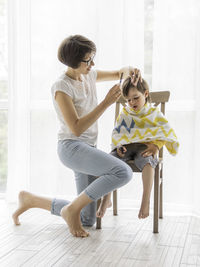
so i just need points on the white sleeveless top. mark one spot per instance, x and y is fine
(84, 97)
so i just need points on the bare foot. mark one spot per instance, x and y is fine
(105, 203)
(72, 218)
(25, 203)
(144, 209)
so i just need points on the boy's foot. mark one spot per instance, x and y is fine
(105, 203)
(25, 203)
(144, 209)
(72, 218)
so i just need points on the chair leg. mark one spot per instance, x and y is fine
(115, 202)
(161, 194)
(156, 199)
(98, 220)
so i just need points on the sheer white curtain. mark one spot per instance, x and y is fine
(117, 27)
(176, 67)
(36, 30)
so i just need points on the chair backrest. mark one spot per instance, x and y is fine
(157, 98)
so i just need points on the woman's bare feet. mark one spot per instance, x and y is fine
(105, 203)
(25, 203)
(72, 218)
(144, 209)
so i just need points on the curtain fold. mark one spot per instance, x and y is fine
(196, 208)
(19, 97)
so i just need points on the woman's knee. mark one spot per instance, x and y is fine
(128, 173)
(124, 172)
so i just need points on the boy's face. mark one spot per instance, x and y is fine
(136, 100)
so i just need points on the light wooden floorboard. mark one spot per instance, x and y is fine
(43, 240)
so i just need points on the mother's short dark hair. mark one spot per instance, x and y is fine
(73, 49)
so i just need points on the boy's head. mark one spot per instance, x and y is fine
(136, 96)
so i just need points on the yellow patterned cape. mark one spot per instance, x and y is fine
(146, 125)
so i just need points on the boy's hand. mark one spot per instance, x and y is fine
(152, 150)
(121, 151)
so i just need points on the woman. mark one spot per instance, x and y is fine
(96, 172)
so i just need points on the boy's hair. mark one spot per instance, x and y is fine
(141, 87)
(73, 49)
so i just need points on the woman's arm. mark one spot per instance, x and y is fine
(79, 125)
(107, 75)
(115, 74)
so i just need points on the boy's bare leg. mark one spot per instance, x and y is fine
(147, 179)
(27, 201)
(105, 203)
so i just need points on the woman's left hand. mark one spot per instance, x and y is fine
(130, 71)
(152, 150)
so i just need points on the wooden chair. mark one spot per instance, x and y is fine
(157, 98)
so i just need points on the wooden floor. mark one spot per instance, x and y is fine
(44, 240)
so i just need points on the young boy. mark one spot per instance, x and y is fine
(140, 132)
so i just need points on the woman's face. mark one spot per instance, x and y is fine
(87, 63)
(136, 100)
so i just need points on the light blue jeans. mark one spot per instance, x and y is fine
(96, 173)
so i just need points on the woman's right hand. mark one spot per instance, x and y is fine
(113, 95)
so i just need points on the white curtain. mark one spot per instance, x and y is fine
(176, 67)
(117, 28)
(33, 159)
